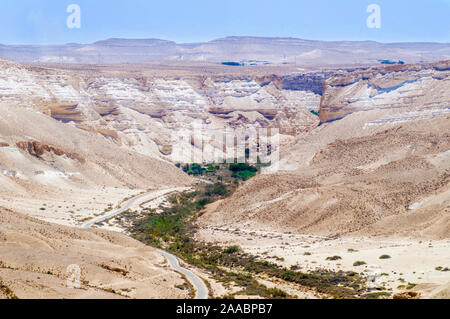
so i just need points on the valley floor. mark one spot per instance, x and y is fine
(414, 264)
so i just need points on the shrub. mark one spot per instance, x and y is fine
(232, 249)
(410, 285)
(377, 295)
(277, 293)
(196, 169)
(242, 167)
(203, 202)
(359, 263)
(385, 257)
(216, 189)
(334, 258)
(243, 175)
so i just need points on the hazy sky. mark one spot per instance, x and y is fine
(44, 21)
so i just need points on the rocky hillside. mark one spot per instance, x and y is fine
(107, 132)
(68, 128)
(422, 90)
(378, 164)
(36, 260)
(139, 112)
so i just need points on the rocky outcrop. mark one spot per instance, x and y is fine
(38, 149)
(418, 88)
(141, 111)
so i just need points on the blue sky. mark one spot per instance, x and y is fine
(44, 21)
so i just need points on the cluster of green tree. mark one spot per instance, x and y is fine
(197, 169)
(243, 171)
(194, 169)
(218, 189)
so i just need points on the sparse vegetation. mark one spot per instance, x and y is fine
(194, 169)
(7, 292)
(377, 295)
(334, 258)
(243, 171)
(359, 263)
(173, 231)
(232, 250)
(410, 285)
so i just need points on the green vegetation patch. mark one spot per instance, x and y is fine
(243, 171)
(173, 230)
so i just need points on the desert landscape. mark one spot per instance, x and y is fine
(88, 175)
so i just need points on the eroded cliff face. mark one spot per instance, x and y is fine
(379, 164)
(421, 90)
(140, 112)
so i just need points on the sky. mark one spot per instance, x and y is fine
(45, 21)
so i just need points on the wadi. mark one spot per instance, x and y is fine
(355, 204)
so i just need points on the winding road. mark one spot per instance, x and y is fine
(201, 291)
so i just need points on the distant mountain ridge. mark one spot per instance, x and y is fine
(247, 49)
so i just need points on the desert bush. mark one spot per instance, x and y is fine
(334, 258)
(377, 295)
(410, 285)
(359, 263)
(232, 249)
(216, 189)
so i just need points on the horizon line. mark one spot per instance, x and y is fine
(216, 39)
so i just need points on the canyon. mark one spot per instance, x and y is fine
(364, 157)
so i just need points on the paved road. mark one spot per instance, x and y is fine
(201, 291)
(200, 287)
(116, 212)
